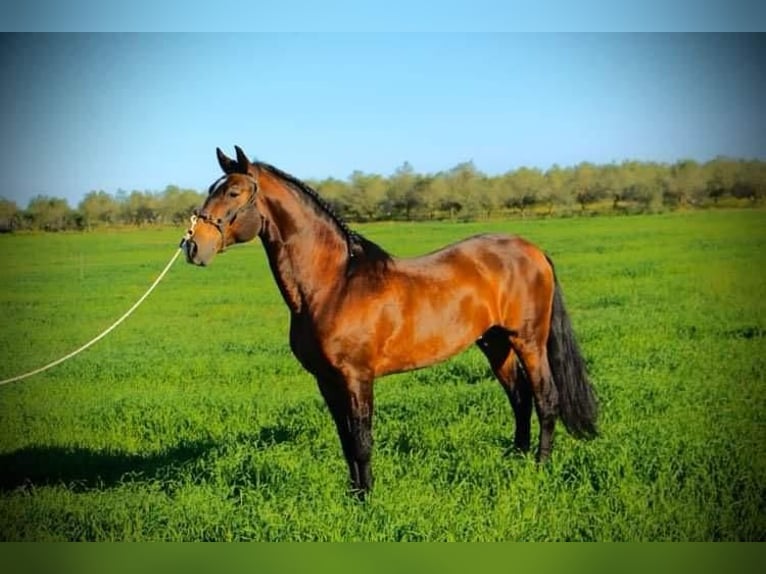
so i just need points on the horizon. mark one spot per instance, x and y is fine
(123, 194)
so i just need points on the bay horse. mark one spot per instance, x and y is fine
(358, 313)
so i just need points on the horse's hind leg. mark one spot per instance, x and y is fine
(534, 358)
(496, 345)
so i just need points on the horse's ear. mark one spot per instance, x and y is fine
(244, 163)
(242, 159)
(227, 164)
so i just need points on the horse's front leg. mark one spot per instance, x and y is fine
(361, 400)
(350, 402)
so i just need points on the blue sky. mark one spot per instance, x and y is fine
(140, 111)
(384, 15)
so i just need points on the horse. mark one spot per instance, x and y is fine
(358, 313)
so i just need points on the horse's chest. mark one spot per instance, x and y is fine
(305, 346)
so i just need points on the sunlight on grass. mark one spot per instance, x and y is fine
(192, 421)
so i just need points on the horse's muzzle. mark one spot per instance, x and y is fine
(191, 250)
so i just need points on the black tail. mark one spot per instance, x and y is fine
(577, 401)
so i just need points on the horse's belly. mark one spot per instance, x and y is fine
(430, 322)
(409, 353)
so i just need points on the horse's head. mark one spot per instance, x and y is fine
(229, 215)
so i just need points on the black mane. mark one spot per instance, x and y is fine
(357, 244)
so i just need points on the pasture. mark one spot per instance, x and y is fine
(192, 421)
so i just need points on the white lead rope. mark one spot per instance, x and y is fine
(102, 335)
(115, 324)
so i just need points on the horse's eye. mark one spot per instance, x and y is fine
(233, 193)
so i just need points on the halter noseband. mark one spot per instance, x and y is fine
(219, 223)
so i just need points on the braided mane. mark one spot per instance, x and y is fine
(355, 242)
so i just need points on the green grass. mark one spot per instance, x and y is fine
(192, 420)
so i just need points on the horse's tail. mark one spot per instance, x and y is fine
(577, 401)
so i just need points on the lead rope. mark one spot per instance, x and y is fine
(127, 314)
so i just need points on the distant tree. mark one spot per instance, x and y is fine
(434, 188)
(175, 205)
(685, 181)
(364, 195)
(721, 174)
(555, 192)
(607, 182)
(461, 192)
(585, 187)
(750, 181)
(444, 195)
(49, 213)
(139, 208)
(335, 193)
(98, 208)
(10, 216)
(641, 184)
(655, 176)
(484, 199)
(493, 188)
(403, 193)
(524, 188)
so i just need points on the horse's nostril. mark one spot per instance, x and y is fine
(191, 248)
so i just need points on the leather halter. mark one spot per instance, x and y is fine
(222, 223)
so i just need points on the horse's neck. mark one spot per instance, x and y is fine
(306, 252)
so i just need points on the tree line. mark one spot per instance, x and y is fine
(460, 193)
(171, 206)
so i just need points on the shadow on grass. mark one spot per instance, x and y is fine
(456, 372)
(81, 468)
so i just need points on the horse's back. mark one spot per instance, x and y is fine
(491, 253)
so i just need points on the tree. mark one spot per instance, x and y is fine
(641, 183)
(98, 207)
(484, 198)
(403, 193)
(452, 193)
(49, 213)
(721, 175)
(750, 181)
(433, 188)
(9, 215)
(466, 192)
(608, 183)
(524, 187)
(364, 195)
(175, 205)
(685, 182)
(335, 193)
(139, 207)
(555, 188)
(585, 186)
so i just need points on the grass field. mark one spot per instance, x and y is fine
(192, 421)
